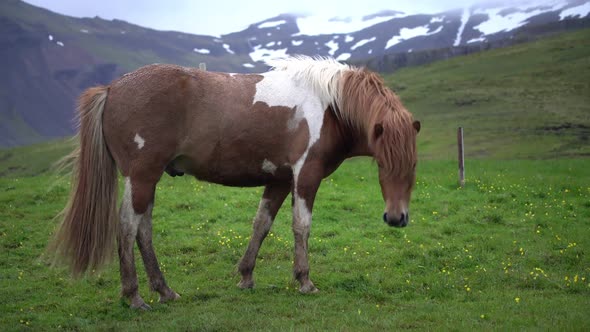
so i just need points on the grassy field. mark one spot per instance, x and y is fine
(509, 251)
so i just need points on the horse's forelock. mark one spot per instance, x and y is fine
(396, 147)
(365, 102)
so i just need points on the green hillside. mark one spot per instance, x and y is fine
(530, 101)
(526, 101)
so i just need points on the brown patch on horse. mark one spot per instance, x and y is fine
(86, 237)
(369, 106)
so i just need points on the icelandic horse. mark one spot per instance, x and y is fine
(285, 129)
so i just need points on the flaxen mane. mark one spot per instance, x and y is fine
(322, 75)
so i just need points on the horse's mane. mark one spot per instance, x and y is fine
(322, 74)
(361, 100)
(367, 101)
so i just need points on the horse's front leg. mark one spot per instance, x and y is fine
(272, 199)
(307, 184)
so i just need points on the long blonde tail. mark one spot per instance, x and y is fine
(86, 237)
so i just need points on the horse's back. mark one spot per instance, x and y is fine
(209, 123)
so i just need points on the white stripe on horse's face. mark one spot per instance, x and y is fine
(139, 141)
(268, 166)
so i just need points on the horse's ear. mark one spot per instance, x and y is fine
(377, 131)
(417, 126)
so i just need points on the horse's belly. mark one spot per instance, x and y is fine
(234, 173)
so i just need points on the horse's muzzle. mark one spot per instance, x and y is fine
(402, 221)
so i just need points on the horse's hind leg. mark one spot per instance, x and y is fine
(272, 199)
(150, 262)
(129, 224)
(136, 224)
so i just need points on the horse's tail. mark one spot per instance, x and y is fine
(86, 237)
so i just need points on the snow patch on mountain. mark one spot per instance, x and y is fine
(362, 42)
(464, 20)
(407, 33)
(228, 49)
(499, 21)
(271, 24)
(579, 11)
(201, 50)
(333, 46)
(343, 57)
(475, 40)
(263, 54)
(437, 19)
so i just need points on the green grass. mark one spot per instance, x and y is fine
(509, 251)
(513, 102)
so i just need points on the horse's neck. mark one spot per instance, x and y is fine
(360, 146)
(357, 141)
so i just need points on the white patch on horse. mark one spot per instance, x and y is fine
(269, 167)
(301, 212)
(127, 213)
(294, 121)
(279, 89)
(139, 141)
(264, 213)
(309, 85)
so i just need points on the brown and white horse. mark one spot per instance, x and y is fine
(285, 129)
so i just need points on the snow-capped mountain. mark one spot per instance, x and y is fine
(356, 38)
(47, 59)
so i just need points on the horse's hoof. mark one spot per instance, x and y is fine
(140, 306)
(136, 302)
(172, 295)
(308, 289)
(243, 284)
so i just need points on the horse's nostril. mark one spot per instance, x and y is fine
(403, 218)
(385, 216)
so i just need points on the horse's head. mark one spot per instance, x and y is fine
(369, 105)
(395, 153)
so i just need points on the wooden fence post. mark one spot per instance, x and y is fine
(203, 66)
(461, 157)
